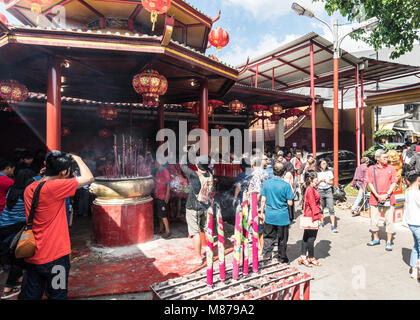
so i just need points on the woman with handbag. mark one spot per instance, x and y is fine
(310, 220)
(12, 220)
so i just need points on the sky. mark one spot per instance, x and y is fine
(258, 26)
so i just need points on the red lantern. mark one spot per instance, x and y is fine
(65, 131)
(3, 19)
(105, 133)
(236, 106)
(12, 91)
(212, 105)
(150, 84)
(258, 108)
(156, 7)
(107, 113)
(276, 109)
(218, 38)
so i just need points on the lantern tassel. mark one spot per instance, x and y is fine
(153, 18)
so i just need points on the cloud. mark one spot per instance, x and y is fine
(348, 44)
(271, 9)
(237, 54)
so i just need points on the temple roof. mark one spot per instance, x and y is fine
(191, 25)
(103, 63)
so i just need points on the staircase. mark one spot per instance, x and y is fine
(291, 125)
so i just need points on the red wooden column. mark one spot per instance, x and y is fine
(357, 117)
(161, 118)
(204, 117)
(335, 122)
(54, 105)
(313, 100)
(362, 113)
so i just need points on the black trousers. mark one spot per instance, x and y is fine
(51, 278)
(16, 265)
(308, 241)
(273, 234)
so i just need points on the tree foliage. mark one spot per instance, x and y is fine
(399, 21)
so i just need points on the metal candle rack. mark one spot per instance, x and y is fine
(273, 281)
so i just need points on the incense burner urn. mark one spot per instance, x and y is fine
(129, 189)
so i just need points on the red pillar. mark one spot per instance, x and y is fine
(342, 108)
(335, 122)
(362, 113)
(54, 105)
(204, 117)
(161, 118)
(357, 116)
(313, 100)
(306, 290)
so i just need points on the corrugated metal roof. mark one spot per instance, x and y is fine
(288, 66)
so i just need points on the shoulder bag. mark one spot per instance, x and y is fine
(24, 242)
(307, 223)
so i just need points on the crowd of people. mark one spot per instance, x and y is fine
(282, 181)
(46, 183)
(298, 181)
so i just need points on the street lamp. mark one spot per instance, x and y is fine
(367, 25)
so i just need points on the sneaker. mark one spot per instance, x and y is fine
(334, 229)
(373, 243)
(388, 247)
(12, 293)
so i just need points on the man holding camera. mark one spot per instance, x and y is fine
(48, 269)
(199, 199)
(382, 180)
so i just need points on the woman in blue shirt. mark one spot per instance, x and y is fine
(12, 219)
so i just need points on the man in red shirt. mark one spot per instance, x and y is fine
(382, 180)
(7, 169)
(48, 269)
(162, 195)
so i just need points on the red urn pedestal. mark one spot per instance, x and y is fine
(121, 223)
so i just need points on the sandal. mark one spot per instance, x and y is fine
(304, 262)
(315, 262)
(9, 294)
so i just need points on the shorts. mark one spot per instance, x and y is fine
(260, 228)
(196, 221)
(327, 200)
(375, 214)
(161, 208)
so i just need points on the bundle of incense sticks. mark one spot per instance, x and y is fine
(221, 244)
(245, 235)
(129, 161)
(254, 208)
(237, 243)
(210, 241)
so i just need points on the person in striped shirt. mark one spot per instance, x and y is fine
(12, 219)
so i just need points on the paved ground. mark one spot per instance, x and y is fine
(351, 270)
